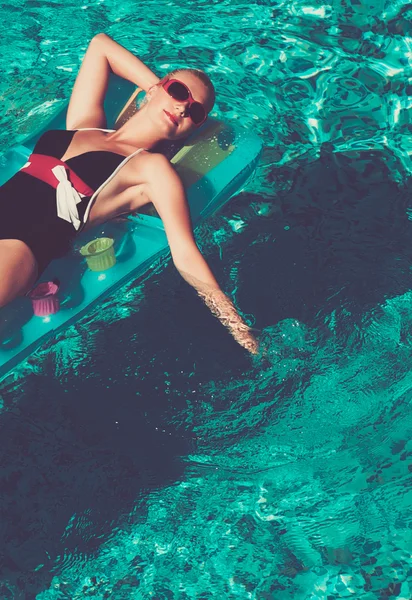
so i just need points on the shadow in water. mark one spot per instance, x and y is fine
(339, 239)
(81, 455)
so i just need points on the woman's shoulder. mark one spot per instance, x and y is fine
(151, 168)
(151, 163)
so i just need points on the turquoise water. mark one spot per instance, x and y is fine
(144, 454)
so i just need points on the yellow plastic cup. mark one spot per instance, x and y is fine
(99, 254)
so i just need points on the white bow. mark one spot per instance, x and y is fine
(67, 198)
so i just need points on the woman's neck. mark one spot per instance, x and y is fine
(137, 132)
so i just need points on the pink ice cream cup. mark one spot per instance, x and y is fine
(44, 299)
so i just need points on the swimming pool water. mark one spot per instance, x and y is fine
(144, 455)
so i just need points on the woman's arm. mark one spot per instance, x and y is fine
(219, 304)
(166, 191)
(103, 56)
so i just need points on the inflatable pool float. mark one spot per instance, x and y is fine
(213, 164)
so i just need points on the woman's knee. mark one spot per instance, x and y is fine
(18, 270)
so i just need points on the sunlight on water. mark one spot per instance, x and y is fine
(146, 456)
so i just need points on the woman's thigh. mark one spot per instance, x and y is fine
(18, 270)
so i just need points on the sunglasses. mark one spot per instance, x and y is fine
(180, 92)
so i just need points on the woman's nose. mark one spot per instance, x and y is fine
(182, 107)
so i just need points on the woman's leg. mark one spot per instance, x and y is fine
(18, 270)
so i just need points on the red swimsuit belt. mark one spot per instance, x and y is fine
(41, 167)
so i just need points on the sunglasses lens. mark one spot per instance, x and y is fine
(178, 91)
(197, 113)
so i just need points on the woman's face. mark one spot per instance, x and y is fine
(172, 115)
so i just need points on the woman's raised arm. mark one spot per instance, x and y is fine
(166, 191)
(103, 56)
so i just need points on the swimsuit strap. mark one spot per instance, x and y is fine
(127, 158)
(92, 199)
(96, 129)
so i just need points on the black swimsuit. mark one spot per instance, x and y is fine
(28, 208)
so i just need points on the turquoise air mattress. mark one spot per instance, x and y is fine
(214, 164)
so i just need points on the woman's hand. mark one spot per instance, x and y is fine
(223, 308)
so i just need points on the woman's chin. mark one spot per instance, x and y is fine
(176, 135)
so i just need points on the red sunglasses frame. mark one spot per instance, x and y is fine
(166, 84)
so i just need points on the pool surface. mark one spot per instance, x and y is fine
(145, 455)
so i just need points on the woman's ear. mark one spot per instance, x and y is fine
(151, 91)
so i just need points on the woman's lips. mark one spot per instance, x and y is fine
(171, 117)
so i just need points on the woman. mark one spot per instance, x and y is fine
(101, 184)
